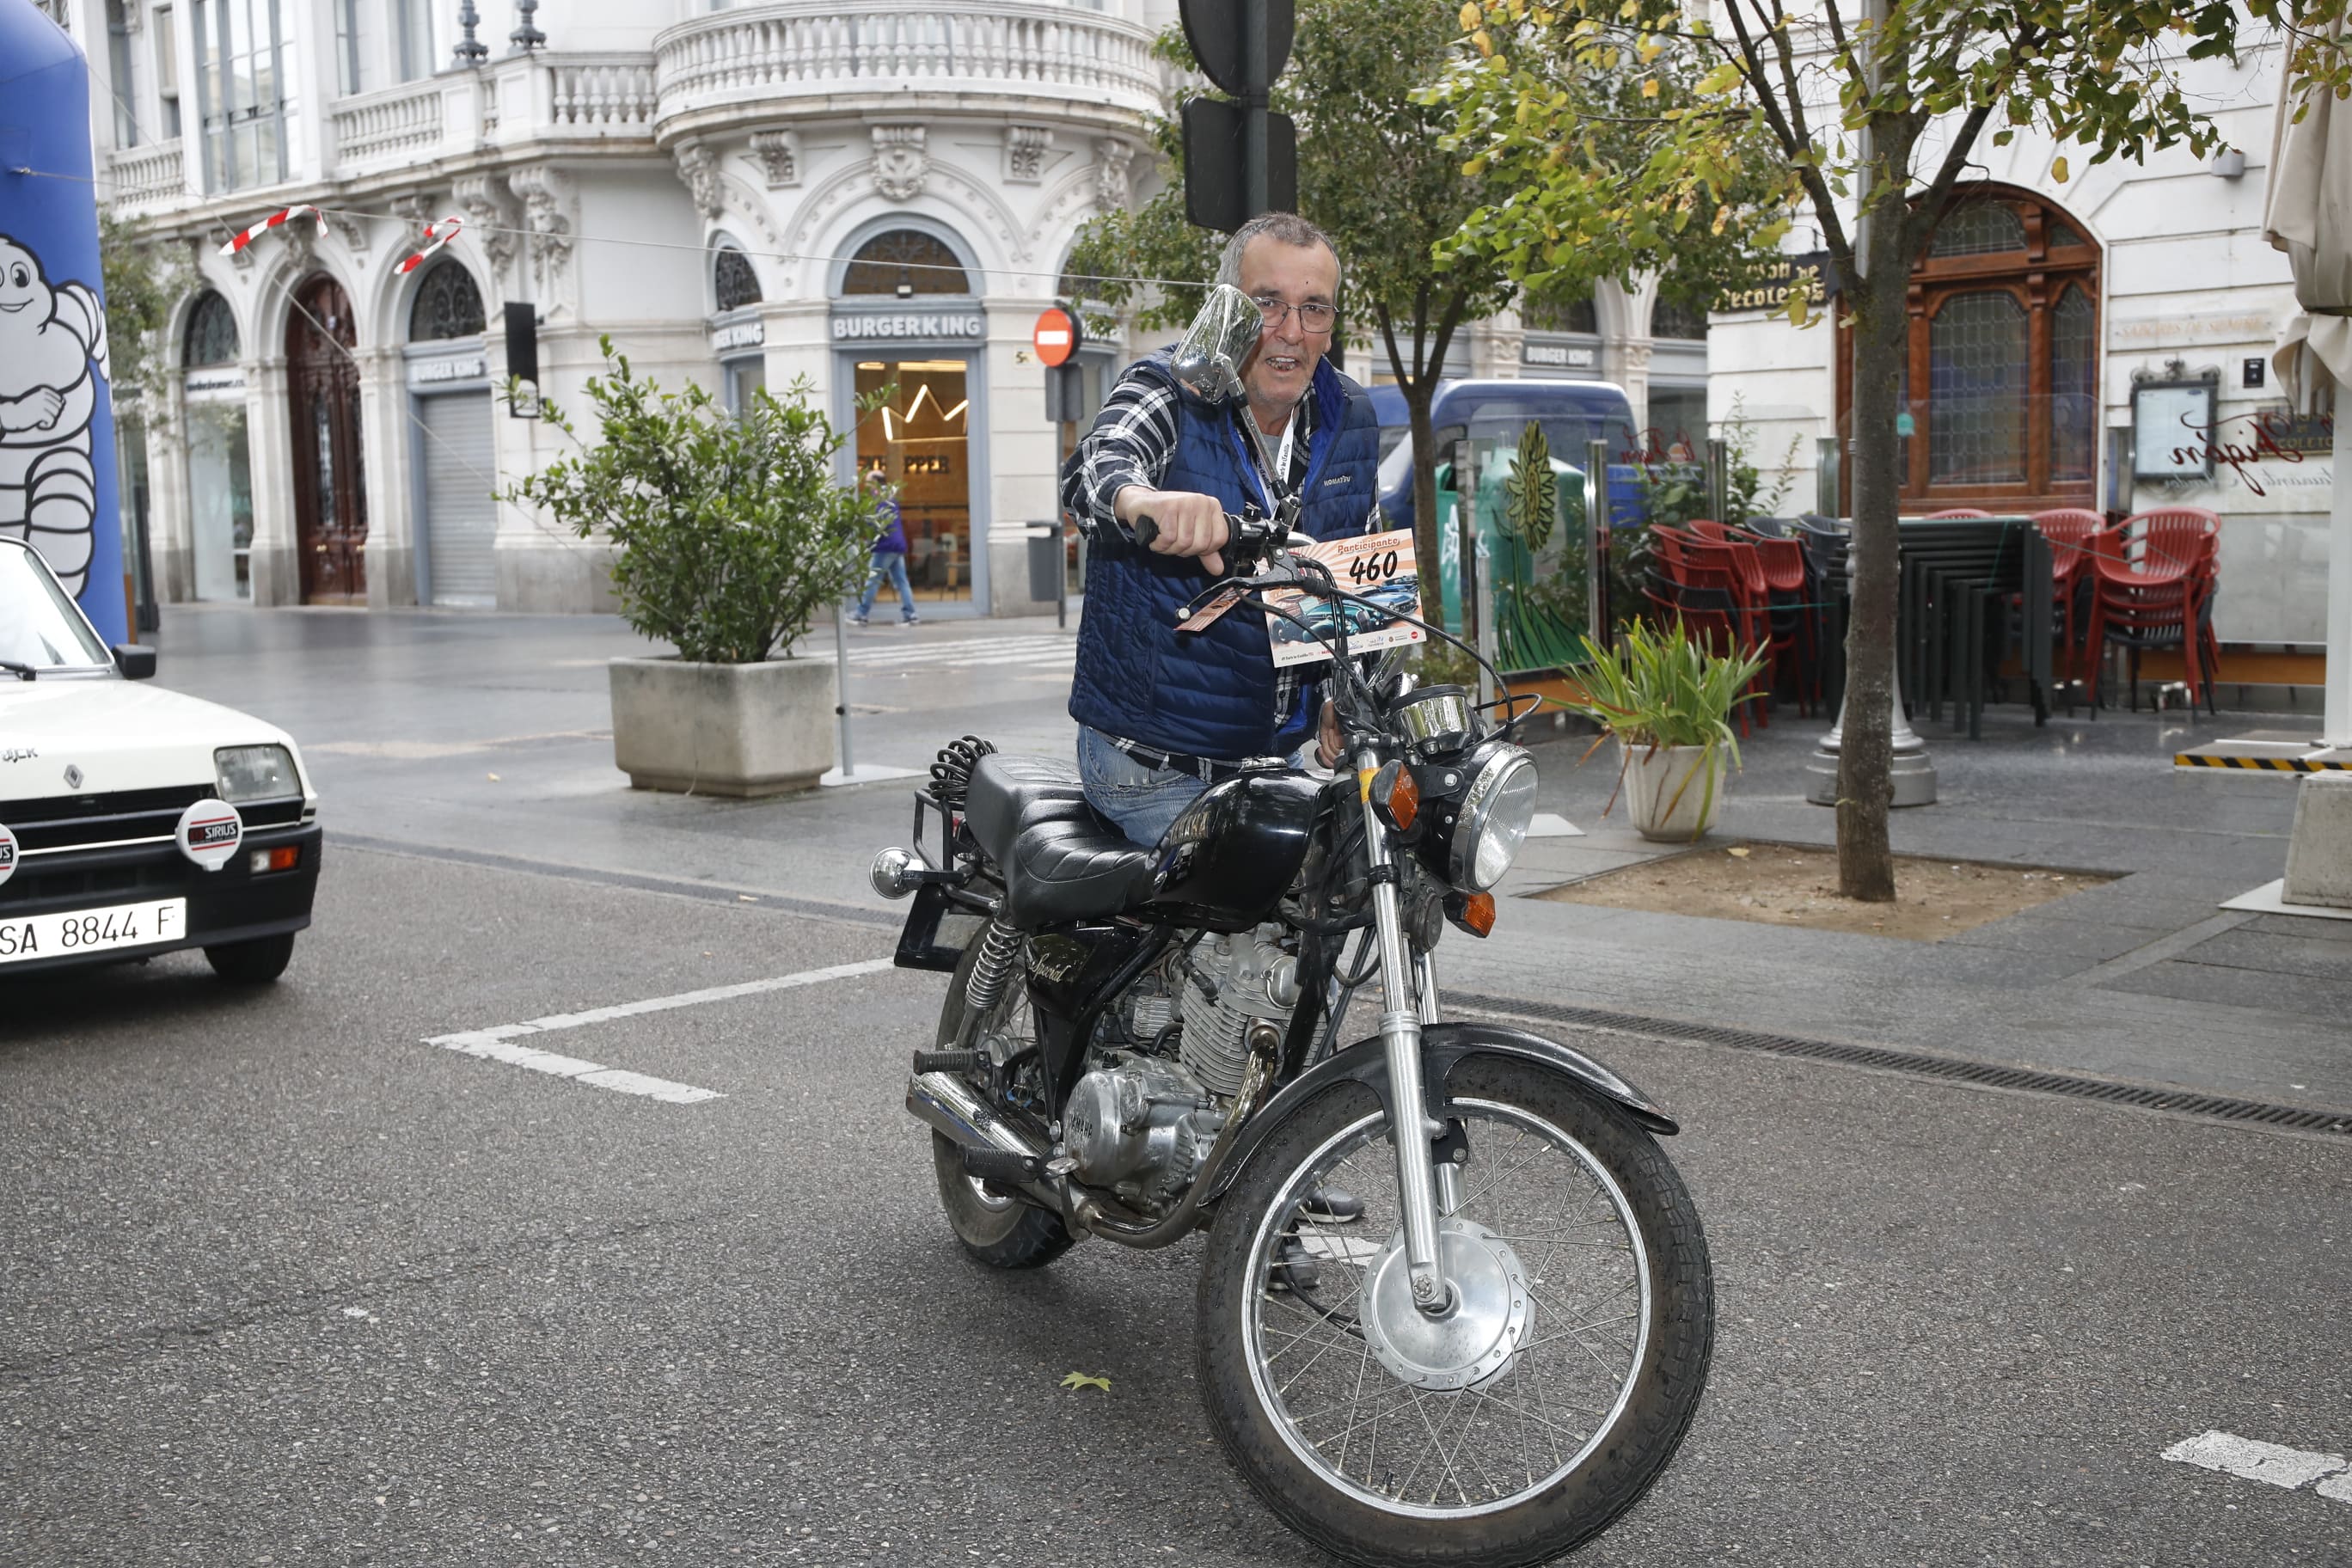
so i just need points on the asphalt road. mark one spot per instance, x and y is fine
(284, 1283)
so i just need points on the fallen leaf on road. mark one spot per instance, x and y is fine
(494, 778)
(1083, 1380)
(1741, 851)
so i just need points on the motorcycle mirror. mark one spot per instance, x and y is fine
(1208, 358)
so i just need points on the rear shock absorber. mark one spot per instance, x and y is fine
(1000, 950)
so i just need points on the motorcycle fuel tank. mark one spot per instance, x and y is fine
(1227, 862)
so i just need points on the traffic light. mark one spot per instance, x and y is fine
(1241, 158)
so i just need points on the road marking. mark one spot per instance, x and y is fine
(2292, 1469)
(497, 1042)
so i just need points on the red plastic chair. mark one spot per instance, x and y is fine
(2070, 530)
(2153, 579)
(1958, 511)
(1715, 593)
(1775, 573)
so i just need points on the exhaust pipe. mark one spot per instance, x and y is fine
(947, 1105)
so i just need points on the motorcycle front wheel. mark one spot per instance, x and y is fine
(1537, 1409)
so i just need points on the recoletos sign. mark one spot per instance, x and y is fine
(854, 327)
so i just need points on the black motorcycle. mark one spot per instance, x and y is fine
(1455, 1304)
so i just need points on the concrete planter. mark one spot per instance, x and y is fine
(739, 730)
(1669, 790)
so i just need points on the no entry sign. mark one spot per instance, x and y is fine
(1056, 337)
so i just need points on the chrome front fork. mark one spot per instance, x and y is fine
(1402, 1013)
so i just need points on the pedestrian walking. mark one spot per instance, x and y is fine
(889, 562)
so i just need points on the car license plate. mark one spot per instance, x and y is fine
(73, 932)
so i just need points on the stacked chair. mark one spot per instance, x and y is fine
(2153, 578)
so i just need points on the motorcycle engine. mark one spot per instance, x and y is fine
(1139, 1127)
(1141, 1124)
(1234, 981)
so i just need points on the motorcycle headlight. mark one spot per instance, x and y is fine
(255, 772)
(1493, 820)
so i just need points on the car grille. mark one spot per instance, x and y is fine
(74, 822)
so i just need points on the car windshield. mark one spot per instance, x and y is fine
(40, 626)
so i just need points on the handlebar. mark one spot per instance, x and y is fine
(1244, 535)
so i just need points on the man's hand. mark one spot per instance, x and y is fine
(1327, 742)
(1190, 524)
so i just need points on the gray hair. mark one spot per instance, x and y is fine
(1288, 228)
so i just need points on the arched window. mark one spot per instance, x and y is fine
(447, 304)
(732, 279)
(210, 333)
(905, 261)
(1673, 318)
(2001, 376)
(1575, 314)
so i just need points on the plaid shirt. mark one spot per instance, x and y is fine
(1131, 442)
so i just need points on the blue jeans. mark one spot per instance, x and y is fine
(1141, 801)
(893, 566)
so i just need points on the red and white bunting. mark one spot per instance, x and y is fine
(240, 241)
(437, 234)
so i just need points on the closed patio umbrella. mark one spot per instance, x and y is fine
(2308, 215)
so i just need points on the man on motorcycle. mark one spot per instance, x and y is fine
(1164, 714)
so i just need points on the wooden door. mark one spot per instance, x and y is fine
(329, 487)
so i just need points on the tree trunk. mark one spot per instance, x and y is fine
(1419, 393)
(1879, 306)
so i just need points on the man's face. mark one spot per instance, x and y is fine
(1288, 352)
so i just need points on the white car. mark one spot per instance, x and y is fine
(134, 820)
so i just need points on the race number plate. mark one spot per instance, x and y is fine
(74, 931)
(1380, 567)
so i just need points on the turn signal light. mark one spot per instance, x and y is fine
(1474, 913)
(1393, 793)
(282, 859)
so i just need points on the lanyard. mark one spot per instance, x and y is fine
(1272, 486)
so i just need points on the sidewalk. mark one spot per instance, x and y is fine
(491, 736)
(2142, 978)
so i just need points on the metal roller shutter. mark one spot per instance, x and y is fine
(460, 518)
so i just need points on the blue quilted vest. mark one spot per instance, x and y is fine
(1211, 693)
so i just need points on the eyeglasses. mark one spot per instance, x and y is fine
(1313, 316)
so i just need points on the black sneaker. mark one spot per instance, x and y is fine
(1295, 1268)
(1331, 1205)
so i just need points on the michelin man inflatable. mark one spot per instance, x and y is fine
(57, 486)
(53, 371)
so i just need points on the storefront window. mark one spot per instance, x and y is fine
(220, 500)
(917, 442)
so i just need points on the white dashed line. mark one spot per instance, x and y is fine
(498, 1044)
(2271, 1463)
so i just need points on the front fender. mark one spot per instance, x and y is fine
(1443, 1047)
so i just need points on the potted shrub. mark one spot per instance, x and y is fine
(730, 534)
(1668, 702)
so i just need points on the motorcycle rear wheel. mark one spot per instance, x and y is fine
(1573, 1395)
(995, 1228)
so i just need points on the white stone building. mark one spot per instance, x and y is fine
(2061, 333)
(738, 194)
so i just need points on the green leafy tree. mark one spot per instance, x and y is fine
(140, 282)
(1864, 123)
(733, 531)
(1377, 171)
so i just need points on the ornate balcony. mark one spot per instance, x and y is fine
(396, 125)
(146, 176)
(963, 51)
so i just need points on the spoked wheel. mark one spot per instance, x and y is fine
(995, 1227)
(1526, 1418)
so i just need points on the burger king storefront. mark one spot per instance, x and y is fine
(929, 440)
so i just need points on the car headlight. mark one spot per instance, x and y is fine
(1493, 820)
(255, 773)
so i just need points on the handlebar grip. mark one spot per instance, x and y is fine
(1146, 528)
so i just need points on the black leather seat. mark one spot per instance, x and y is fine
(1061, 860)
